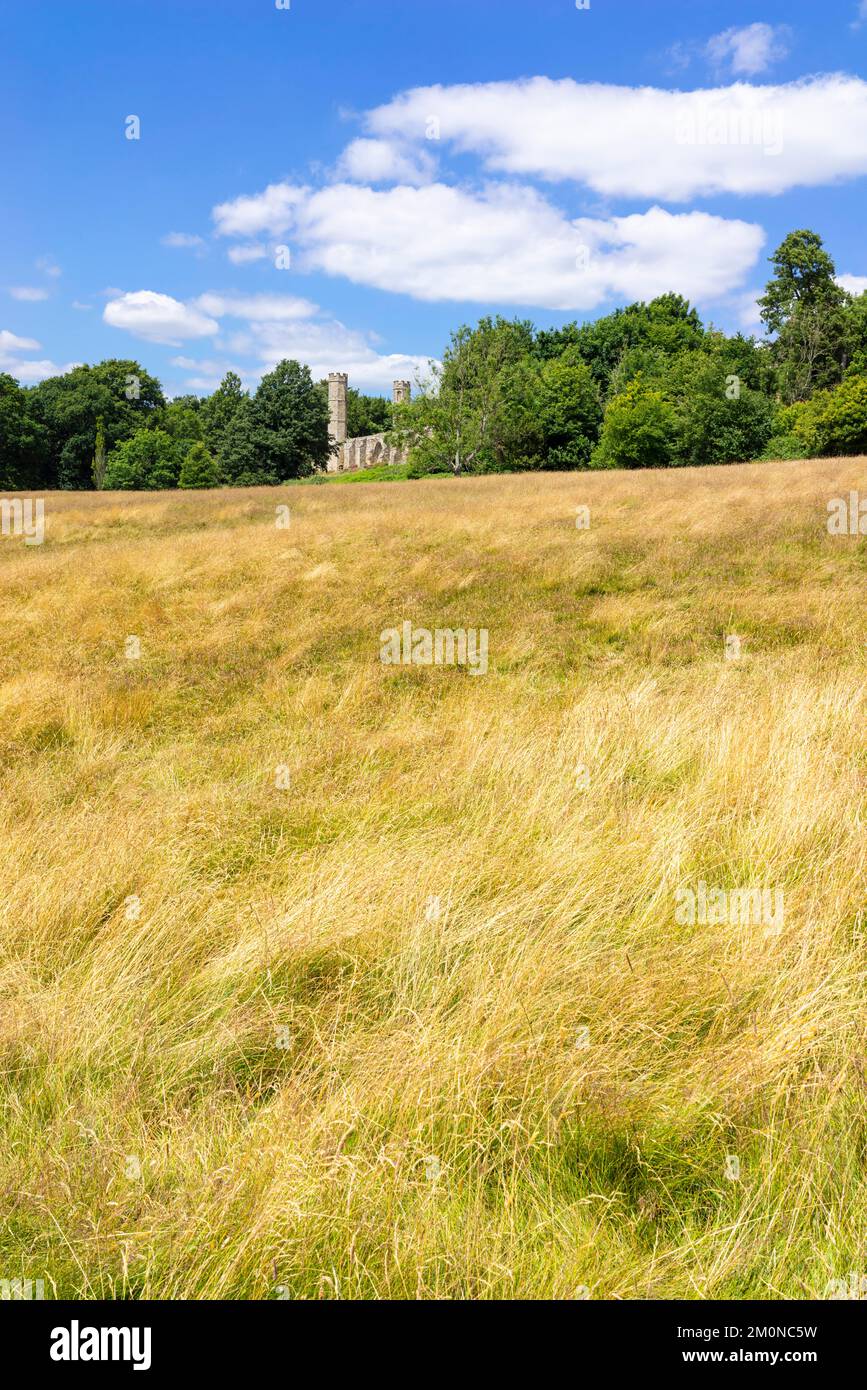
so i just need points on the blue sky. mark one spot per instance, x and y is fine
(346, 181)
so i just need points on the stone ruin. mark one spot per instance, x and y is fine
(369, 449)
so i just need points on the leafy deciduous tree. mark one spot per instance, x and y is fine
(198, 469)
(147, 462)
(640, 429)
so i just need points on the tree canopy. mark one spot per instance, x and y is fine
(68, 407)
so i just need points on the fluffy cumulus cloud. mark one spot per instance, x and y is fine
(750, 50)
(642, 142)
(26, 369)
(30, 372)
(158, 318)
(258, 308)
(507, 244)
(855, 284)
(390, 217)
(11, 345)
(206, 373)
(271, 211)
(325, 345)
(383, 161)
(251, 333)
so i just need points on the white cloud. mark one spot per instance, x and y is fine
(32, 372)
(271, 327)
(207, 373)
(11, 344)
(182, 240)
(382, 161)
(325, 347)
(271, 211)
(77, 304)
(11, 347)
(855, 284)
(644, 142)
(509, 245)
(328, 346)
(30, 294)
(255, 307)
(48, 266)
(158, 318)
(750, 50)
(243, 255)
(746, 310)
(861, 15)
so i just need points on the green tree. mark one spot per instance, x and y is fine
(68, 407)
(97, 468)
(218, 410)
(242, 459)
(148, 461)
(855, 314)
(189, 402)
(478, 412)
(366, 414)
(517, 432)
(198, 469)
(23, 442)
(812, 349)
(647, 362)
(291, 417)
(639, 430)
(798, 421)
(570, 412)
(183, 422)
(806, 311)
(666, 326)
(281, 433)
(804, 274)
(721, 420)
(839, 421)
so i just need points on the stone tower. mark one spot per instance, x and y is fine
(401, 392)
(337, 384)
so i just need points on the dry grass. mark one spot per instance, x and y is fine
(281, 1077)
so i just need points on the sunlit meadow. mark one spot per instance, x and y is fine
(321, 978)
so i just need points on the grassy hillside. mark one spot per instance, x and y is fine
(244, 1055)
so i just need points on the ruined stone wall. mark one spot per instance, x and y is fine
(368, 450)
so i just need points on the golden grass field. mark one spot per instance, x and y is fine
(244, 1058)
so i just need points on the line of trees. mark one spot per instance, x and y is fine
(647, 386)
(110, 426)
(651, 386)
